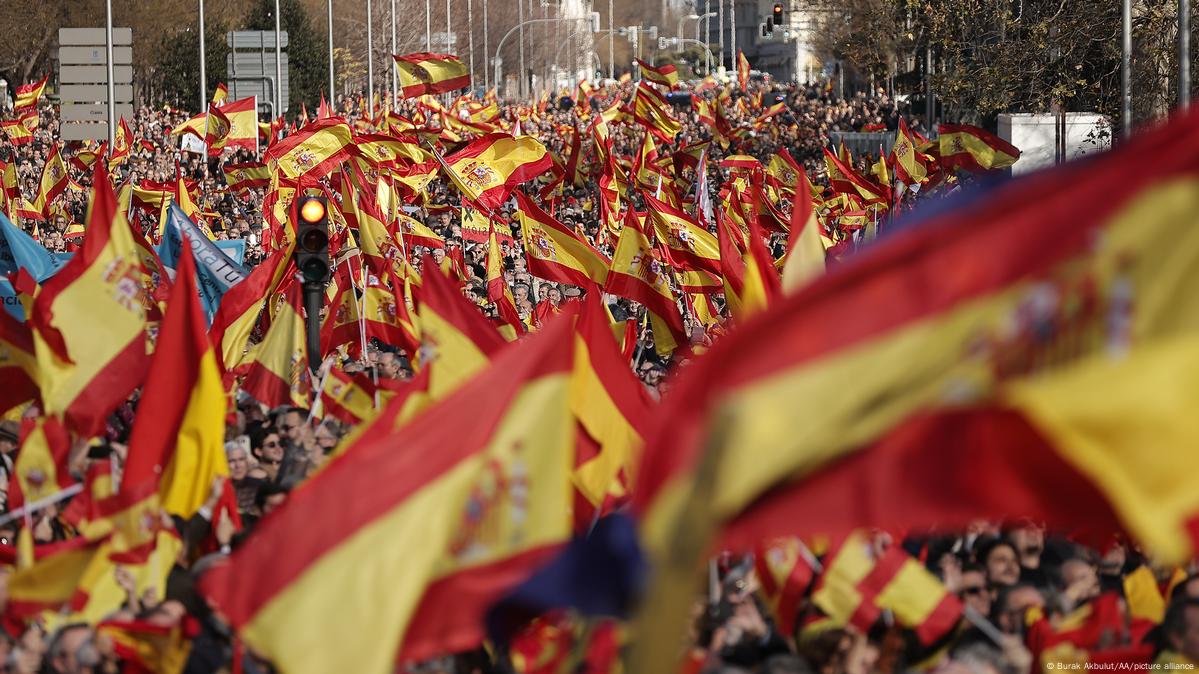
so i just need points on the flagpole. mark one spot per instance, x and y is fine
(112, 111)
(1126, 71)
(486, 51)
(428, 26)
(395, 80)
(203, 65)
(278, 63)
(332, 81)
(520, 78)
(470, 35)
(370, 61)
(611, 42)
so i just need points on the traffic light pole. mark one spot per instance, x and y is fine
(314, 300)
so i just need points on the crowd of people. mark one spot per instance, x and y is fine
(1018, 581)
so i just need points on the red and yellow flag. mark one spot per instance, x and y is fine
(651, 110)
(1065, 372)
(687, 245)
(53, 182)
(16, 132)
(805, 247)
(742, 71)
(18, 364)
(908, 163)
(90, 319)
(349, 398)
(242, 116)
(488, 169)
(26, 96)
(41, 466)
(498, 291)
(216, 130)
(427, 73)
(247, 176)
(314, 151)
(456, 340)
(176, 446)
(664, 75)
(241, 305)
(555, 252)
(973, 149)
(278, 369)
(639, 275)
(480, 502)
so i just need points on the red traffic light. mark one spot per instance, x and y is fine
(776, 16)
(312, 210)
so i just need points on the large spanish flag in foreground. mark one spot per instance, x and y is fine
(447, 514)
(487, 170)
(1045, 368)
(457, 341)
(277, 373)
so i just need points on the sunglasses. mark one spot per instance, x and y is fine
(971, 591)
(271, 443)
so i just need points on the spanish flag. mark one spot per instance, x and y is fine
(122, 145)
(858, 585)
(220, 94)
(609, 403)
(499, 293)
(314, 151)
(784, 567)
(18, 364)
(688, 246)
(27, 96)
(413, 232)
(278, 369)
(216, 130)
(90, 319)
(242, 304)
(53, 182)
(805, 249)
(489, 168)
(554, 251)
(973, 149)
(637, 274)
(15, 131)
(651, 110)
(41, 467)
(389, 151)
(179, 432)
(742, 71)
(665, 75)
(908, 163)
(242, 116)
(465, 508)
(349, 398)
(49, 583)
(427, 73)
(247, 176)
(846, 180)
(146, 646)
(457, 341)
(1049, 376)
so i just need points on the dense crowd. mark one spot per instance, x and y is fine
(1016, 579)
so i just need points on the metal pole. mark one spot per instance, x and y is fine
(707, 27)
(203, 65)
(470, 32)
(929, 108)
(720, 29)
(733, 33)
(428, 27)
(278, 63)
(486, 51)
(611, 42)
(447, 26)
(1126, 71)
(112, 110)
(520, 79)
(370, 60)
(332, 81)
(1184, 53)
(395, 78)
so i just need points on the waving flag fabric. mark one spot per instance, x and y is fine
(488, 169)
(278, 370)
(427, 73)
(556, 253)
(651, 110)
(972, 148)
(468, 505)
(90, 319)
(216, 272)
(665, 75)
(27, 96)
(314, 151)
(688, 245)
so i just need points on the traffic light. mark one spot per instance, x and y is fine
(776, 16)
(312, 240)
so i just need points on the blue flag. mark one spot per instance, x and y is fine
(18, 250)
(12, 304)
(234, 248)
(216, 272)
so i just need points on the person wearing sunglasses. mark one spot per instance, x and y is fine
(972, 589)
(267, 448)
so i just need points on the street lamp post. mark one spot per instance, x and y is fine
(329, 6)
(278, 62)
(486, 51)
(370, 60)
(611, 43)
(395, 76)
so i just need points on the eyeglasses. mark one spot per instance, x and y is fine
(975, 590)
(271, 443)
